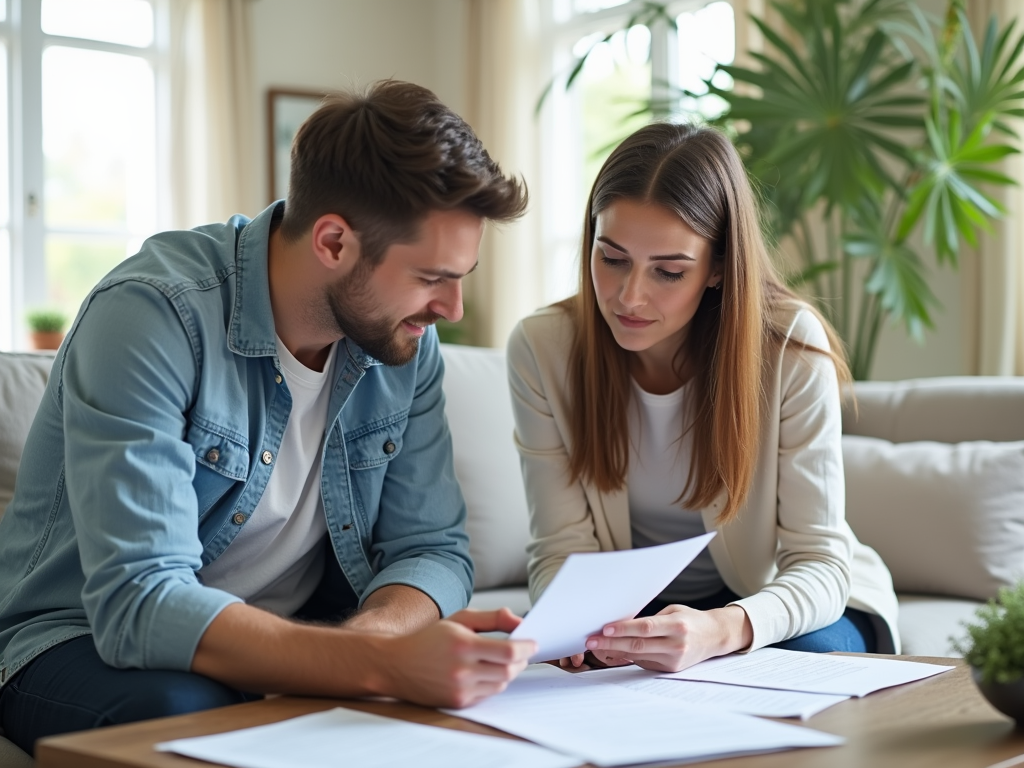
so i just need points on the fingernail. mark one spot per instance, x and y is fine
(609, 631)
(591, 643)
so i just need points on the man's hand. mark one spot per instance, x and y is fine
(449, 665)
(676, 638)
(445, 664)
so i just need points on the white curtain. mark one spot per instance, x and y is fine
(993, 275)
(504, 78)
(212, 144)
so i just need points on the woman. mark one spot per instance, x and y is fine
(684, 389)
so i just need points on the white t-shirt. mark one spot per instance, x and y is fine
(277, 559)
(659, 464)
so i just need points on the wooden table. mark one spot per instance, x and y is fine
(940, 722)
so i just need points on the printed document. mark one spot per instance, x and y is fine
(347, 737)
(592, 589)
(618, 726)
(762, 702)
(808, 672)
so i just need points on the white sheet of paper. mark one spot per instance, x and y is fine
(592, 589)
(763, 702)
(617, 726)
(809, 672)
(347, 737)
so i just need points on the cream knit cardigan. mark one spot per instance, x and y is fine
(789, 553)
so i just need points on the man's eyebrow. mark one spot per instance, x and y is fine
(447, 272)
(664, 257)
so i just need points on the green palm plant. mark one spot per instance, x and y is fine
(888, 123)
(883, 122)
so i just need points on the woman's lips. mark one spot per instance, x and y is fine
(633, 322)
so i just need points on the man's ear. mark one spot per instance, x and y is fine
(335, 244)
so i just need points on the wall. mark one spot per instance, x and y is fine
(325, 44)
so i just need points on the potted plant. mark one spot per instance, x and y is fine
(994, 647)
(46, 327)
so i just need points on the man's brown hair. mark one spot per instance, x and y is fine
(386, 158)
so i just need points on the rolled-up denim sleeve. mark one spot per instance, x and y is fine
(127, 384)
(420, 539)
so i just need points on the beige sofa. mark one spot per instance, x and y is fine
(946, 514)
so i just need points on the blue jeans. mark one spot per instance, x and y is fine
(853, 633)
(70, 688)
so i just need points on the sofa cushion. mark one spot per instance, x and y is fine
(948, 409)
(12, 757)
(22, 381)
(948, 519)
(479, 411)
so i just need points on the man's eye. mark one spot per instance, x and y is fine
(432, 282)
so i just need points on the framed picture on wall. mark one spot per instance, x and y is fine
(287, 109)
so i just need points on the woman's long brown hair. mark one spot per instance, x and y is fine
(696, 173)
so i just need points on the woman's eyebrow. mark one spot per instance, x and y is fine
(664, 257)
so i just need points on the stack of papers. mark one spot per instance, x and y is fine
(762, 702)
(347, 737)
(808, 672)
(620, 726)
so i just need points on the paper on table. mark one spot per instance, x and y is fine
(594, 588)
(810, 672)
(763, 702)
(623, 727)
(345, 736)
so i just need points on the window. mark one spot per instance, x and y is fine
(79, 164)
(582, 125)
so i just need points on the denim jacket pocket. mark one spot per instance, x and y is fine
(376, 444)
(215, 449)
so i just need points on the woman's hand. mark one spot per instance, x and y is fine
(582, 662)
(676, 638)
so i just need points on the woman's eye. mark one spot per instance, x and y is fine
(612, 262)
(670, 276)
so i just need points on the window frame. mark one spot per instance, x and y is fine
(26, 43)
(561, 161)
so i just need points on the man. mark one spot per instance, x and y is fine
(240, 478)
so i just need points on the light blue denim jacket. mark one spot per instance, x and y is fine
(157, 435)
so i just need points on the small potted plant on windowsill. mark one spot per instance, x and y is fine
(46, 327)
(994, 647)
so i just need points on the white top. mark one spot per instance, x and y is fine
(276, 560)
(659, 463)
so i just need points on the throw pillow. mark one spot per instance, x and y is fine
(479, 411)
(947, 518)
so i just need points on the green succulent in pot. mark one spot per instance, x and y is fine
(994, 647)
(995, 641)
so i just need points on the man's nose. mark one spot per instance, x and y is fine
(449, 303)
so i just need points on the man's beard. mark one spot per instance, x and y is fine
(360, 318)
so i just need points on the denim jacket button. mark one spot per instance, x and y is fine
(278, 379)
(213, 456)
(389, 447)
(267, 457)
(238, 518)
